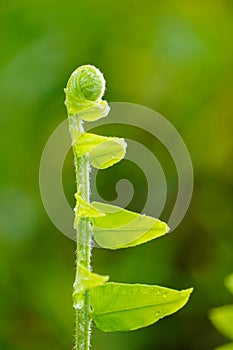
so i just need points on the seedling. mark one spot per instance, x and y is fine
(112, 306)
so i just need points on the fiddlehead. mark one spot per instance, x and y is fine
(84, 92)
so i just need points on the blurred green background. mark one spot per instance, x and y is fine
(173, 56)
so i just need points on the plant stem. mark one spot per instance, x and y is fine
(83, 239)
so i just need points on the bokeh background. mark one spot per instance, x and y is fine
(173, 56)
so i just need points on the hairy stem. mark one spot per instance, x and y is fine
(83, 238)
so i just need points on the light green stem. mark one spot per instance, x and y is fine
(83, 237)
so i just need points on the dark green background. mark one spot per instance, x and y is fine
(173, 56)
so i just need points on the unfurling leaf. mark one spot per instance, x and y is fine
(125, 307)
(120, 228)
(222, 318)
(84, 92)
(102, 152)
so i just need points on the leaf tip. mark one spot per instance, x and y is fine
(188, 292)
(167, 229)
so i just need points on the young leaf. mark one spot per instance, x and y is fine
(85, 280)
(229, 283)
(92, 110)
(222, 318)
(102, 152)
(125, 307)
(120, 228)
(84, 92)
(84, 209)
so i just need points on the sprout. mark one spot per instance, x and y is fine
(84, 92)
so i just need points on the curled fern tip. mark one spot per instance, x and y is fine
(84, 92)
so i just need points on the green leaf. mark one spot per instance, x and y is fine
(125, 307)
(222, 318)
(84, 281)
(229, 283)
(102, 152)
(226, 347)
(120, 228)
(114, 227)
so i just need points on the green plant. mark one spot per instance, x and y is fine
(222, 317)
(112, 306)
